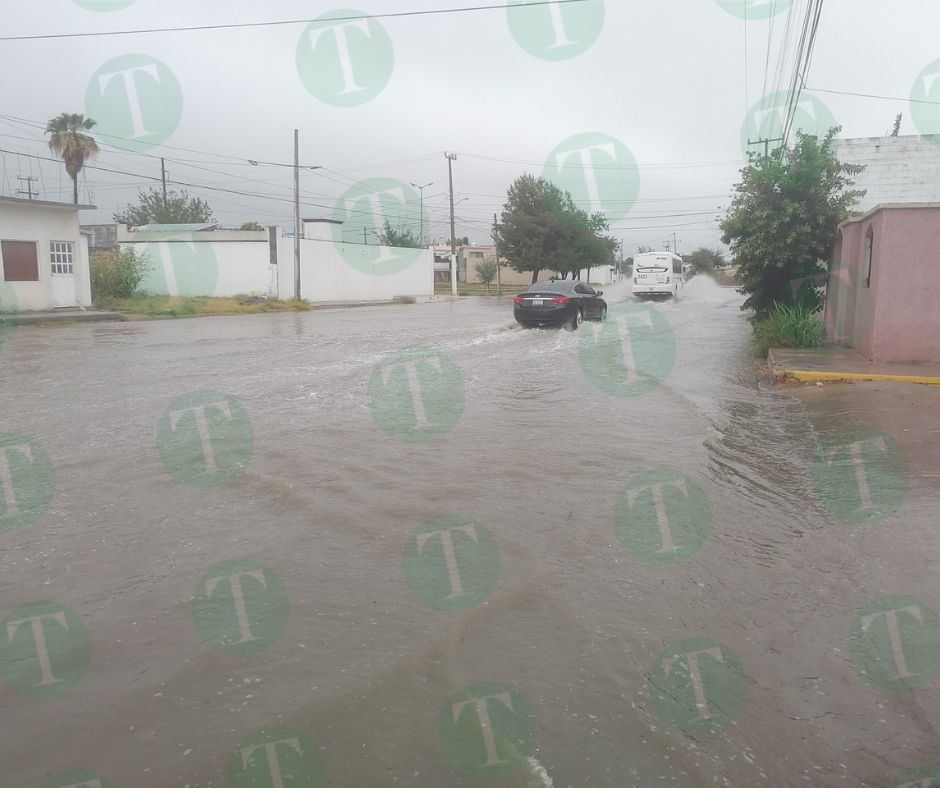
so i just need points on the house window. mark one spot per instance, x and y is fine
(869, 253)
(60, 255)
(20, 261)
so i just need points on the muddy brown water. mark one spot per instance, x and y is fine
(358, 639)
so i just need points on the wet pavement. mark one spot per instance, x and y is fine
(415, 545)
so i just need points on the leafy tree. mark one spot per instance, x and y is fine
(399, 237)
(69, 142)
(176, 208)
(251, 226)
(783, 218)
(704, 261)
(486, 271)
(541, 228)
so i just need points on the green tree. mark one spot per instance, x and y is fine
(176, 208)
(400, 237)
(486, 271)
(69, 142)
(782, 221)
(704, 261)
(541, 228)
(251, 226)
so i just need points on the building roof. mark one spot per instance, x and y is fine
(49, 203)
(890, 206)
(173, 228)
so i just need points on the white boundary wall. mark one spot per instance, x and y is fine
(227, 263)
(352, 272)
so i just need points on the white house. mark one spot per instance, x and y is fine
(43, 255)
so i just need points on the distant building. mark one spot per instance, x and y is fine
(897, 169)
(102, 237)
(883, 293)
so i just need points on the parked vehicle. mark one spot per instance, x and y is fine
(560, 303)
(658, 273)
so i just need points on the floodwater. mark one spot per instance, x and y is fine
(443, 576)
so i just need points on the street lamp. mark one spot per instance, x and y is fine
(421, 209)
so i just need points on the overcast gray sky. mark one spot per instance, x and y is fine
(636, 107)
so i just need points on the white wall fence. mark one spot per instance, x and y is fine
(225, 263)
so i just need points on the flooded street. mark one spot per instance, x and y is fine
(416, 545)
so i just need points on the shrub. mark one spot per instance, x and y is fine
(117, 274)
(788, 325)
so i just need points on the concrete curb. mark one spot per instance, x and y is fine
(36, 318)
(809, 376)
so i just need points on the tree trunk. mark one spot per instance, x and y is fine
(535, 275)
(75, 188)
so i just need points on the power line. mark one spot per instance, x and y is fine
(872, 96)
(281, 22)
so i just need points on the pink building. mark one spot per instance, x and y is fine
(883, 294)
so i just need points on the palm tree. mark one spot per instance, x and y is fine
(70, 143)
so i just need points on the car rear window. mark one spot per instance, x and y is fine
(551, 287)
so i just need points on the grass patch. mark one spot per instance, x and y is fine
(788, 326)
(174, 306)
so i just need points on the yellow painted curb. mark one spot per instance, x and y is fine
(809, 376)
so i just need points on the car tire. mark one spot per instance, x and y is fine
(576, 320)
(603, 317)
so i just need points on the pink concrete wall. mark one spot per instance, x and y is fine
(907, 319)
(897, 317)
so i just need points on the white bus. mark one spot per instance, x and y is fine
(658, 273)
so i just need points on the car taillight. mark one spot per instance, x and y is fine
(668, 279)
(518, 300)
(561, 300)
(635, 281)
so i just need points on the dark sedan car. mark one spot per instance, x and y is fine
(561, 303)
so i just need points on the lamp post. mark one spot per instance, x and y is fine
(421, 214)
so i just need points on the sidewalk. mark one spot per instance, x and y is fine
(58, 316)
(844, 364)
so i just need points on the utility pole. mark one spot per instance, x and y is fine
(421, 209)
(675, 243)
(765, 142)
(364, 239)
(499, 285)
(451, 157)
(297, 214)
(163, 179)
(30, 194)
